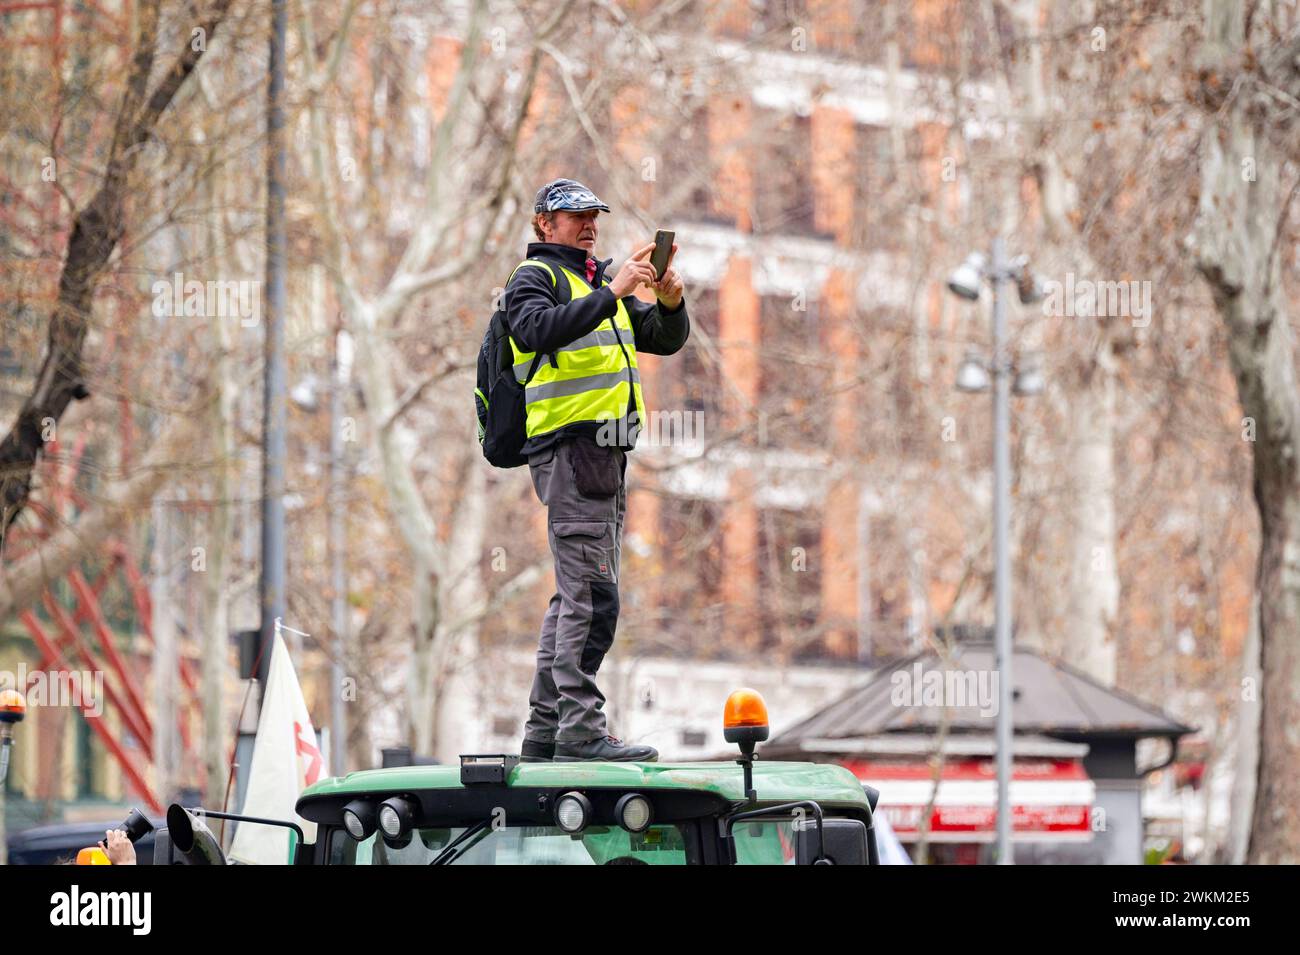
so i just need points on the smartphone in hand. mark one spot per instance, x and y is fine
(663, 249)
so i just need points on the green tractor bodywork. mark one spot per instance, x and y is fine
(800, 813)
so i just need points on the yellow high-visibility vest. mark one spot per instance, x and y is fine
(589, 378)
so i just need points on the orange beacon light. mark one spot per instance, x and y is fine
(13, 707)
(744, 718)
(744, 722)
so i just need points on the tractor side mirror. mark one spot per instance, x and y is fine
(846, 842)
(189, 840)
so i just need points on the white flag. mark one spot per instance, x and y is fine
(286, 760)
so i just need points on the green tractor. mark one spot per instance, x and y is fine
(495, 810)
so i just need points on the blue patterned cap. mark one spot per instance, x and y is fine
(567, 194)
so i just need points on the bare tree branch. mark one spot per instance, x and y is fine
(96, 231)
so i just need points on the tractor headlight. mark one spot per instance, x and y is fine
(396, 816)
(572, 812)
(634, 812)
(359, 819)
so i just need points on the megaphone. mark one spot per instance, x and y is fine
(135, 825)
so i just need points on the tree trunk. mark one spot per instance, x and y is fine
(165, 664)
(1246, 753)
(216, 625)
(1242, 206)
(462, 595)
(1092, 601)
(393, 443)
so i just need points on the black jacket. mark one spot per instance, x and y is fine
(538, 323)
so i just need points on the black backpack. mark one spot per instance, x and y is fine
(498, 395)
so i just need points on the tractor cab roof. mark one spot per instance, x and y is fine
(719, 783)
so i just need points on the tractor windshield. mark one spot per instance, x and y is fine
(517, 845)
(758, 842)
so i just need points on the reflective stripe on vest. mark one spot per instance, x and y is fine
(601, 336)
(587, 379)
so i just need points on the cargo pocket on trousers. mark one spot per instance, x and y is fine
(604, 619)
(596, 470)
(582, 550)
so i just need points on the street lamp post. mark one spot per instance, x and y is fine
(975, 375)
(338, 578)
(1001, 563)
(271, 584)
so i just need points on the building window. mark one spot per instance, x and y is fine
(881, 187)
(793, 374)
(690, 552)
(85, 760)
(789, 579)
(684, 190)
(779, 16)
(783, 193)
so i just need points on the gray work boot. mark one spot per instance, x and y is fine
(535, 751)
(607, 748)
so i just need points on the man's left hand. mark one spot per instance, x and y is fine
(669, 289)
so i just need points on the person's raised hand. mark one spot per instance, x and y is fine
(670, 288)
(119, 850)
(635, 272)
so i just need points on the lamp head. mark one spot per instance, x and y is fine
(967, 279)
(973, 374)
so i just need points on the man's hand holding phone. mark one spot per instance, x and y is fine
(634, 273)
(670, 288)
(638, 271)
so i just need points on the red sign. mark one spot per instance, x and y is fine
(1049, 798)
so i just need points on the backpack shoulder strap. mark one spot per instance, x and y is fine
(532, 369)
(499, 332)
(534, 262)
(563, 290)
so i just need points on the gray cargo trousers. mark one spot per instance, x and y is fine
(583, 486)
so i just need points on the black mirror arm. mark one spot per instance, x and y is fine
(781, 809)
(237, 817)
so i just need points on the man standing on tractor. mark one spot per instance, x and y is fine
(575, 336)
